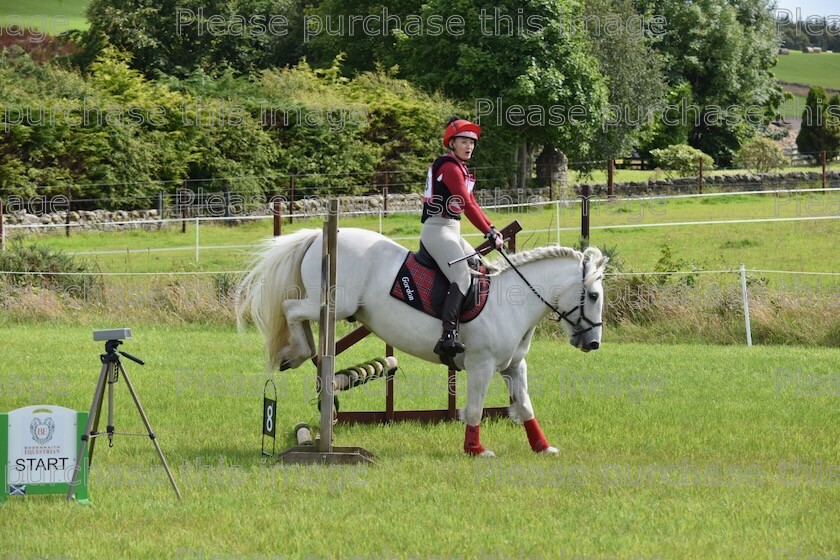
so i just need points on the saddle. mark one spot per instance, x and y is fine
(421, 284)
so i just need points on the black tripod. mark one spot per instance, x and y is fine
(111, 368)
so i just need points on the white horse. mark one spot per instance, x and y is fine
(282, 295)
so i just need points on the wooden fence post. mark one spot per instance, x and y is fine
(610, 178)
(183, 205)
(824, 178)
(275, 210)
(160, 205)
(2, 238)
(586, 192)
(291, 199)
(700, 176)
(67, 214)
(385, 196)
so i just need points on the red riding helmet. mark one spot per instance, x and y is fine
(460, 127)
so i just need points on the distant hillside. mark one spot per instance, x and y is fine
(43, 15)
(809, 69)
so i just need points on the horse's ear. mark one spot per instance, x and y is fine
(593, 255)
(601, 263)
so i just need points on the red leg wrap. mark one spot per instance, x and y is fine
(535, 435)
(472, 445)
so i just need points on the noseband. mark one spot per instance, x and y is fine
(577, 326)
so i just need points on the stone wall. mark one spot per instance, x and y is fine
(373, 204)
(84, 219)
(720, 183)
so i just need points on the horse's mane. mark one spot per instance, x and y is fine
(553, 252)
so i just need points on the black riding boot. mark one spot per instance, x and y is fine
(448, 344)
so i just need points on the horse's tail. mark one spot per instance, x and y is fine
(274, 278)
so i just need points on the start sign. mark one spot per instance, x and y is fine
(38, 448)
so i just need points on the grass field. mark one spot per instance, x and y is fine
(50, 16)
(782, 245)
(787, 307)
(666, 451)
(809, 69)
(793, 108)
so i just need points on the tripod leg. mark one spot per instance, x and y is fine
(112, 379)
(149, 428)
(95, 408)
(95, 429)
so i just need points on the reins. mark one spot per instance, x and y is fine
(559, 315)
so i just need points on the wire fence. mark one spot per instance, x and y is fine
(223, 288)
(222, 204)
(196, 204)
(588, 207)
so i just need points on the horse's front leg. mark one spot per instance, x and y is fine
(478, 380)
(516, 378)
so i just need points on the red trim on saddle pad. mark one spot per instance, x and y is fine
(425, 288)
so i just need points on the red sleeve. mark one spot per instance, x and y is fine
(476, 215)
(462, 201)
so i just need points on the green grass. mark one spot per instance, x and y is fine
(49, 16)
(619, 176)
(786, 308)
(780, 245)
(809, 69)
(793, 108)
(667, 451)
(43, 15)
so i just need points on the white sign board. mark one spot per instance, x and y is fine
(42, 445)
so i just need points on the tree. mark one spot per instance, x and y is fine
(634, 76)
(527, 79)
(683, 159)
(724, 51)
(816, 32)
(178, 36)
(667, 127)
(820, 125)
(530, 81)
(761, 155)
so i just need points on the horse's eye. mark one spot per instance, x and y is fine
(593, 296)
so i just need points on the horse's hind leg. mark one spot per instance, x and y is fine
(516, 378)
(301, 344)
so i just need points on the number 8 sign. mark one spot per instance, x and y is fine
(269, 422)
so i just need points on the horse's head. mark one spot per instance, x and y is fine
(582, 315)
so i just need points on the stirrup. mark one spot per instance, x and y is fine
(448, 345)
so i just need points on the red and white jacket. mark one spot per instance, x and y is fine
(449, 193)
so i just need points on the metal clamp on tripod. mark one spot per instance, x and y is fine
(111, 369)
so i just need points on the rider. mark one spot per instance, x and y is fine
(448, 194)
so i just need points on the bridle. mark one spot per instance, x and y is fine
(577, 326)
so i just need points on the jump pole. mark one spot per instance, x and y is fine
(324, 452)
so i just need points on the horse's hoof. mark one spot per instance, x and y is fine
(550, 451)
(486, 453)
